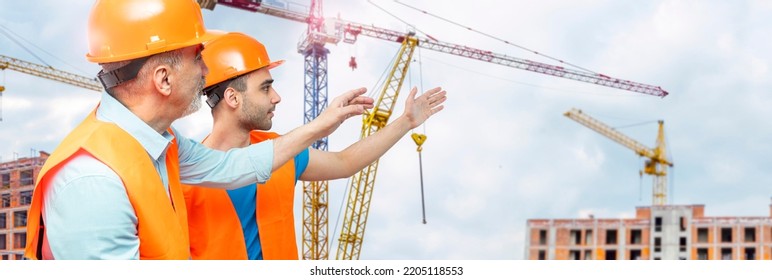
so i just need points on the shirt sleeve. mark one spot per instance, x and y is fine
(235, 168)
(301, 162)
(88, 215)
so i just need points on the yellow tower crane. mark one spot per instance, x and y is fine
(656, 163)
(361, 189)
(47, 72)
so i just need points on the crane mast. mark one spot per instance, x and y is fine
(656, 164)
(315, 222)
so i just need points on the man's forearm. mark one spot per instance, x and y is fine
(367, 150)
(292, 143)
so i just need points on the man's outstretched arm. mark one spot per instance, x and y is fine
(334, 165)
(341, 108)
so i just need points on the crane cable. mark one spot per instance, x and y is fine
(496, 38)
(398, 18)
(8, 32)
(419, 139)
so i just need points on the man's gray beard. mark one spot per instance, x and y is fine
(195, 104)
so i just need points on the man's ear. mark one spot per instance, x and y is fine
(162, 79)
(231, 97)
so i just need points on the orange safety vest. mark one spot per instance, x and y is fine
(215, 229)
(161, 229)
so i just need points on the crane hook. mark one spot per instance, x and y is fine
(419, 140)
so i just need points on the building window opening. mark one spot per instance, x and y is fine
(702, 254)
(635, 254)
(25, 197)
(576, 237)
(750, 234)
(542, 237)
(611, 254)
(3, 223)
(587, 254)
(682, 244)
(3, 242)
(20, 218)
(26, 177)
(611, 236)
(750, 253)
(588, 237)
(657, 224)
(635, 236)
(657, 244)
(19, 240)
(726, 234)
(19, 256)
(542, 255)
(702, 235)
(4, 257)
(726, 253)
(6, 198)
(574, 255)
(683, 223)
(6, 178)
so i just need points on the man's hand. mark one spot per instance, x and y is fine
(343, 107)
(418, 110)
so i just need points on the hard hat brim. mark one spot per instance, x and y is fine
(274, 64)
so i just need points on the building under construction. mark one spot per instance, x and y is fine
(660, 232)
(17, 180)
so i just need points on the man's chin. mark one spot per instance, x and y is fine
(194, 106)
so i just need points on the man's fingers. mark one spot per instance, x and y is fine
(354, 93)
(438, 97)
(432, 91)
(361, 100)
(437, 109)
(347, 97)
(353, 110)
(413, 91)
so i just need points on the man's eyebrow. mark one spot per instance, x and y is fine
(267, 82)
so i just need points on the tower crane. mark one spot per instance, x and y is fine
(656, 158)
(47, 72)
(334, 30)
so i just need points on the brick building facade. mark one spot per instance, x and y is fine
(669, 232)
(17, 180)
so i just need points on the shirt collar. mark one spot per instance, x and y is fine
(110, 110)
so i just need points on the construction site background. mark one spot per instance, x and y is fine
(17, 181)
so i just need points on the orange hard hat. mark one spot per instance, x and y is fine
(230, 56)
(127, 29)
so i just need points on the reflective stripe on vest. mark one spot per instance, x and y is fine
(215, 229)
(161, 229)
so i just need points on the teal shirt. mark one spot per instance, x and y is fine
(244, 202)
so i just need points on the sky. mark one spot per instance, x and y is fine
(501, 152)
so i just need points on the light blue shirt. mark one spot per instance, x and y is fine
(86, 210)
